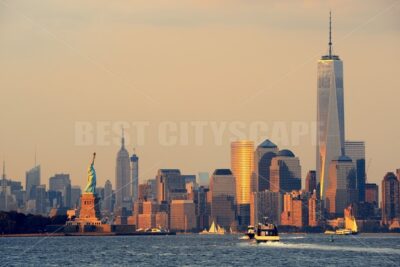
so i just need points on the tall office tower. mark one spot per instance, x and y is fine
(223, 192)
(147, 219)
(183, 215)
(311, 182)
(61, 183)
(330, 114)
(356, 151)
(202, 207)
(55, 199)
(285, 172)
(295, 209)
(32, 180)
(170, 184)
(263, 156)
(390, 198)
(341, 177)
(41, 199)
(372, 194)
(4, 191)
(75, 196)
(135, 176)
(204, 179)
(265, 204)
(242, 166)
(314, 210)
(144, 192)
(123, 194)
(108, 192)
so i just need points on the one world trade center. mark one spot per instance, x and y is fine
(330, 114)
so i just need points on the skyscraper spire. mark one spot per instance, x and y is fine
(123, 137)
(4, 169)
(330, 34)
(35, 157)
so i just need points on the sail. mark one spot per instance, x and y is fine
(350, 223)
(212, 228)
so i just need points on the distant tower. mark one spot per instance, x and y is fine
(242, 166)
(311, 182)
(108, 197)
(390, 198)
(263, 156)
(32, 179)
(330, 114)
(285, 172)
(122, 180)
(135, 176)
(356, 151)
(4, 186)
(342, 177)
(223, 192)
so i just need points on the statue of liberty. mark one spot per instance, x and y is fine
(91, 178)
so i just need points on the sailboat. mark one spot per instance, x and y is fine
(350, 224)
(215, 229)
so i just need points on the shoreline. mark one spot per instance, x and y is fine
(150, 234)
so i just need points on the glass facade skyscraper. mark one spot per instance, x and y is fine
(242, 166)
(330, 114)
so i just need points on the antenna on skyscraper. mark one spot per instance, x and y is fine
(4, 169)
(330, 34)
(123, 137)
(35, 157)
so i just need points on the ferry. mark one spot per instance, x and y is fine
(266, 232)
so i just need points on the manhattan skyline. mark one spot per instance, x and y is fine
(263, 67)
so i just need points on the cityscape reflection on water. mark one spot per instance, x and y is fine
(191, 249)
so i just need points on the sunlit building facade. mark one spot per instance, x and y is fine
(342, 175)
(330, 115)
(183, 215)
(242, 166)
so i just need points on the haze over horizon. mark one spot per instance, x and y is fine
(189, 61)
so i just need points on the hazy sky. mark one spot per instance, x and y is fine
(217, 62)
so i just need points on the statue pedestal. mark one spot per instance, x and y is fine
(90, 207)
(89, 215)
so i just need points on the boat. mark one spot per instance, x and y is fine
(350, 224)
(250, 232)
(329, 232)
(266, 232)
(215, 229)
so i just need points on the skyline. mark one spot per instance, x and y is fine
(53, 133)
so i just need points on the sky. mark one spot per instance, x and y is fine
(73, 72)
